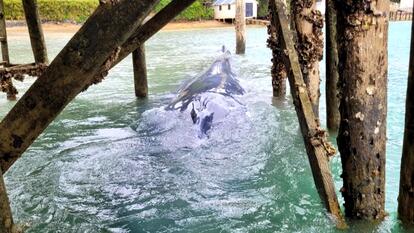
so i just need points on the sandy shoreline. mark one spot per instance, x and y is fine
(52, 28)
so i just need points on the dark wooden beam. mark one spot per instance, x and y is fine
(3, 35)
(97, 42)
(332, 77)
(362, 35)
(34, 24)
(406, 195)
(6, 218)
(140, 72)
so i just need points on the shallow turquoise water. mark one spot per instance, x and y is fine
(111, 163)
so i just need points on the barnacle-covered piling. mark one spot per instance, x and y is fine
(278, 72)
(363, 60)
(308, 22)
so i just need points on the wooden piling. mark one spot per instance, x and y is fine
(97, 42)
(240, 26)
(278, 72)
(332, 101)
(140, 72)
(142, 34)
(363, 62)
(317, 146)
(406, 195)
(6, 218)
(34, 24)
(3, 35)
(308, 22)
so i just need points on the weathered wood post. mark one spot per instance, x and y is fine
(332, 100)
(240, 26)
(37, 39)
(75, 66)
(140, 72)
(317, 146)
(278, 72)
(6, 218)
(3, 35)
(406, 195)
(309, 23)
(363, 61)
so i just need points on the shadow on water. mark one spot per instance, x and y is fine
(111, 163)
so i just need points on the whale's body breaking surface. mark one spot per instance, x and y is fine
(210, 96)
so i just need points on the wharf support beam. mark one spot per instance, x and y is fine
(332, 77)
(308, 22)
(37, 39)
(240, 26)
(96, 43)
(406, 195)
(142, 34)
(363, 62)
(316, 143)
(6, 218)
(3, 35)
(140, 72)
(278, 72)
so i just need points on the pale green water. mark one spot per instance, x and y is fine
(111, 163)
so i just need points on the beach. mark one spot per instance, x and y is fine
(18, 28)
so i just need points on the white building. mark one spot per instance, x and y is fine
(320, 5)
(406, 5)
(226, 9)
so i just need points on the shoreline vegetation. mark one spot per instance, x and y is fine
(77, 11)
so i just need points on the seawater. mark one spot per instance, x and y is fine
(112, 163)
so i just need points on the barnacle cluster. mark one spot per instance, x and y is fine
(17, 73)
(278, 70)
(309, 45)
(358, 16)
(103, 72)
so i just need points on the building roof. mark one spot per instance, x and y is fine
(225, 2)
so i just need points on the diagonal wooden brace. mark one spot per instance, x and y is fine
(143, 33)
(103, 33)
